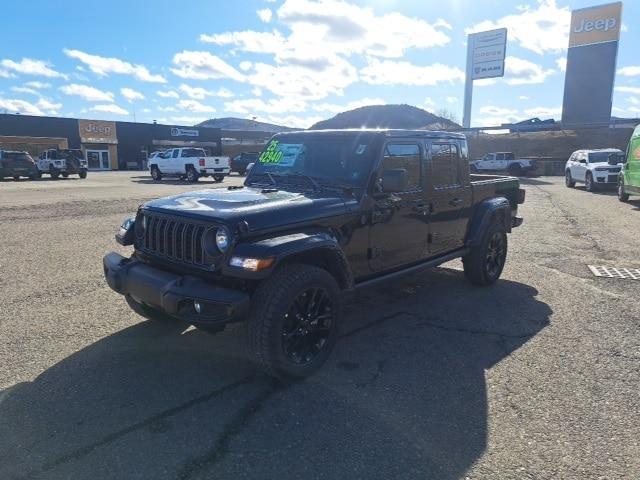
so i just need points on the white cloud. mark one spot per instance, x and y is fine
(90, 94)
(429, 103)
(562, 64)
(224, 93)
(390, 72)
(248, 41)
(197, 93)
(38, 85)
(631, 71)
(29, 66)
(28, 90)
(523, 97)
(295, 121)
(523, 72)
(195, 106)
(253, 105)
(109, 108)
(131, 95)
(103, 66)
(498, 111)
(19, 106)
(49, 107)
(257, 91)
(452, 99)
(6, 74)
(265, 14)
(245, 65)
(203, 66)
(542, 28)
(337, 108)
(167, 94)
(547, 112)
(633, 100)
(625, 89)
(167, 109)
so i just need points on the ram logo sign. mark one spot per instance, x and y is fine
(595, 25)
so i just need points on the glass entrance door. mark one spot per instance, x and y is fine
(98, 159)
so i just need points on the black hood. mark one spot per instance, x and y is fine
(262, 209)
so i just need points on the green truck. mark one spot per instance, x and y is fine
(629, 179)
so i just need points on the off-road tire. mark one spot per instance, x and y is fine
(82, 174)
(218, 178)
(147, 312)
(156, 174)
(623, 197)
(55, 173)
(191, 176)
(475, 263)
(265, 325)
(589, 184)
(65, 175)
(16, 178)
(568, 180)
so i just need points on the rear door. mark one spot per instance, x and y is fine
(449, 193)
(500, 162)
(579, 169)
(399, 221)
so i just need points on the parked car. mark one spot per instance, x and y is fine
(503, 162)
(629, 177)
(17, 164)
(321, 214)
(240, 162)
(65, 162)
(188, 163)
(592, 168)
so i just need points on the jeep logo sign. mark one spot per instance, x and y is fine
(595, 24)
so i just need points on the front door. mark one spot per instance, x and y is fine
(450, 195)
(98, 160)
(399, 220)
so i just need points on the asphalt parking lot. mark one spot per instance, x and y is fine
(536, 377)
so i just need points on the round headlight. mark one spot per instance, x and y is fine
(222, 239)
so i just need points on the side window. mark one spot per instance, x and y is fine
(176, 152)
(500, 156)
(404, 156)
(445, 165)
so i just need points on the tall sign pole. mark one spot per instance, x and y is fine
(486, 52)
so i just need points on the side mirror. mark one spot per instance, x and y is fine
(582, 160)
(394, 180)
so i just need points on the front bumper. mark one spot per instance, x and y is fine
(175, 294)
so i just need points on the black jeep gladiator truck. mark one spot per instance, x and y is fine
(321, 214)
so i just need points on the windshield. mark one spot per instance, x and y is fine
(600, 157)
(337, 159)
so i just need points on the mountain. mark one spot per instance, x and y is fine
(232, 123)
(386, 116)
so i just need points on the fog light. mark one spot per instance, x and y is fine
(197, 306)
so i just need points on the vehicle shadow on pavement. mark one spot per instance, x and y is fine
(403, 396)
(172, 181)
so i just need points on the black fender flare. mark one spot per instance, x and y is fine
(317, 247)
(485, 212)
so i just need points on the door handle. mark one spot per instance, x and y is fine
(456, 202)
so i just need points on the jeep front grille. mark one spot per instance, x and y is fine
(172, 238)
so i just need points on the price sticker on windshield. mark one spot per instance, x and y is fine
(281, 154)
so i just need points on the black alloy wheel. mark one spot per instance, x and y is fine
(307, 326)
(496, 254)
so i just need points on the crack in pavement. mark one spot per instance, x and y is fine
(87, 449)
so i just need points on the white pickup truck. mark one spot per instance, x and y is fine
(502, 162)
(188, 163)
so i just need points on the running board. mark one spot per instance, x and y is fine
(434, 262)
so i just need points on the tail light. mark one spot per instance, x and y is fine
(202, 162)
(521, 195)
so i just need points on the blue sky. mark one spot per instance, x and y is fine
(292, 62)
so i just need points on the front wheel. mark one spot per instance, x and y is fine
(155, 174)
(294, 321)
(55, 173)
(589, 186)
(622, 196)
(16, 178)
(65, 175)
(568, 180)
(218, 178)
(82, 174)
(484, 264)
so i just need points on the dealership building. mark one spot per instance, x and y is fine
(106, 145)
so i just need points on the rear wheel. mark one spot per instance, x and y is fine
(588, 183)
(65, 175)
(294, 321)
(146, 311)
(568, 180)
(484, 264)
(155, 174)
(218, 178)
(515, 170)
(55, 173)
(622, 196)
(192, 176)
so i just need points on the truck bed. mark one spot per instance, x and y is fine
(488, 186)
